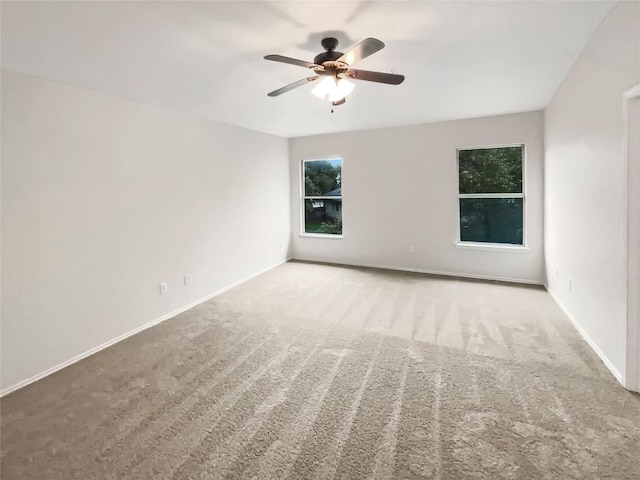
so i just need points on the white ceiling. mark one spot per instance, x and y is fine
(460, 59)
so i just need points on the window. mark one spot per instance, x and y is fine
(322, 197)
(491, 195)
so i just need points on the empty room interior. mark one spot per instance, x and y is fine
(320, 240)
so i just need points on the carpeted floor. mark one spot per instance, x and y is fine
(314, 372)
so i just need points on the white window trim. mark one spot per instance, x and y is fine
(489, 195)
(486, 246)
(302, 233)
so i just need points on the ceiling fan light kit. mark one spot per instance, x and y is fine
(333, 89)
(335, 67)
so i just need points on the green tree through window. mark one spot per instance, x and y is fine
(322, 196)
(491, 196)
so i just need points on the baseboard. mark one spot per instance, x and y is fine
(420, 270)
(130, 333)
(588, 339)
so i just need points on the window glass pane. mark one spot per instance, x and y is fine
(494, 220)
(323, 216)
(491, 170)
(323, 178)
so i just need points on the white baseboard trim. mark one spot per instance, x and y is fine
(130, 333)
(588, 339)
(419, 270)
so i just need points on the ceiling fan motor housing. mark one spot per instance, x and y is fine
(329, 44)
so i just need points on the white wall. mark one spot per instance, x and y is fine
(585, 184)
(632, 129)
(103, 199)
(400, 189)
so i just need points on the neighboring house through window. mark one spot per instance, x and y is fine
(491, 195)
(322, 197)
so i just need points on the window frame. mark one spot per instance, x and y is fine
(467, 245)
(303, 197)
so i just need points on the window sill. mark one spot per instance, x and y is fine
(320, 235)
(492, 247)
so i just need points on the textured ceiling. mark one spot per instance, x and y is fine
(461, 59)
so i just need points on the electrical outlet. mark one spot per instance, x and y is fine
(164, 288)
(412, 249)
(187, 279)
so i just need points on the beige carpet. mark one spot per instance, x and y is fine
(312, 371)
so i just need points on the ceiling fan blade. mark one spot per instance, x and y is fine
(293, 85)
(380, 77)
(362, 50)
(291, 61)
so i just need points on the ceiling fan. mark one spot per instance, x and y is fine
(335, 67)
